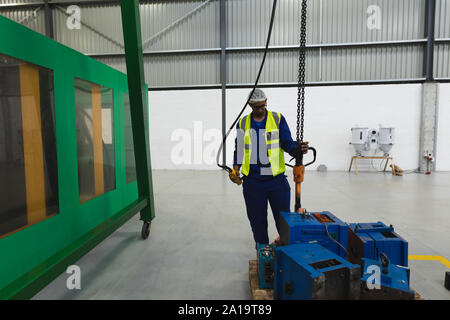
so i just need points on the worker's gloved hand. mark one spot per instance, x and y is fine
(235, 177)
(304, 147)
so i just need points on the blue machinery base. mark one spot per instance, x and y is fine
(322, 257)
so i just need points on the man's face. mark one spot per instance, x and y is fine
(259, 108)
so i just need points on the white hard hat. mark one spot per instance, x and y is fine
(258, 96)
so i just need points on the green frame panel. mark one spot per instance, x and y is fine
(34, 256)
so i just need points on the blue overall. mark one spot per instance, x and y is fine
(260, 189)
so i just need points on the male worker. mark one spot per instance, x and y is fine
(262, 138)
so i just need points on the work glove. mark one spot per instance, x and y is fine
(304, 147)
(234, 176)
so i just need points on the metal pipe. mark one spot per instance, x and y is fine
(159, 52)
(223, 73)
(442, 40)
(21, 5)
(66, 3)
(334, 45)
(278, 48)
(293, 84)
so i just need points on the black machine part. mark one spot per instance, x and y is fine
(385, 293)
(447, 280)
(384, 262)
(288, 288)
(268, 272)
(355, 247)
(337, 284)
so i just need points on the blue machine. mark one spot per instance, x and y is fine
(308, 271)
(393, 280)
(369, 240)
(298, 228)
(265, 253)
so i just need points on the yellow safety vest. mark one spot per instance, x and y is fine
(272, 139)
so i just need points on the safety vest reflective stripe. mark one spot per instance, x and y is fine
(272, 140)
(243, 123)
(272, 146)
(276, 117)
(273, 135)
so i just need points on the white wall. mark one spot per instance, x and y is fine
(330, 114)
(443, 136)
(173, 112)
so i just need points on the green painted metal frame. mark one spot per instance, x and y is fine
(34, 256)
(33, 281)
(138, 91)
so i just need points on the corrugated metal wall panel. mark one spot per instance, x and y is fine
(442, 19)
(380, 63)
(280, 66)
(29, 17)
(347, 20)
(117, 63)
(442, 61)
(175, 70)
(248, 22)
(104, 34)
(343, 21)
(178, 70)
(334, 65)
(198, 30)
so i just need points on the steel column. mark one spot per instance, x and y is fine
(48, 20)
(131, 25)
(429, 124)
(223, 72)
(430, 14)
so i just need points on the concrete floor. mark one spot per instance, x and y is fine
(200, 242)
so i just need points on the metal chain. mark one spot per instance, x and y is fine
(301, 74)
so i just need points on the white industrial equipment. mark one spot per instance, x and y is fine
(364, 140)
(359, 139)
(373, 140)
(386, 139)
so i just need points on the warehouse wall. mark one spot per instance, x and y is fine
(179, 120)
(443, 136)
(345, 48)
(330, 114)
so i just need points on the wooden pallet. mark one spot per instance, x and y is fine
(417, 296)
(267, 294)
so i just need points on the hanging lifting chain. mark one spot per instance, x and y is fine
(299, 168)
(301, 74)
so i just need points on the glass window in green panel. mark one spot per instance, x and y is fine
(28, 166)
(95, 139)
(129, 146)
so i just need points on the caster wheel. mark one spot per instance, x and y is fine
(145, 230)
